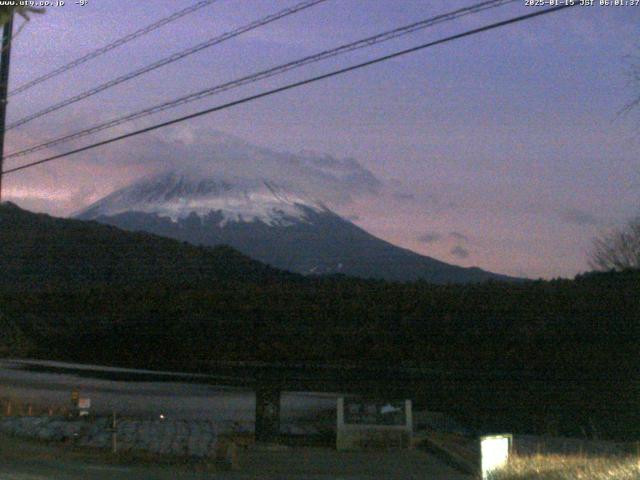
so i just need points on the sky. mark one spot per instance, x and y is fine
(506, 150)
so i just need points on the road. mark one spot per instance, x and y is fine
(50, 463)
(358, 469)
(176, 397)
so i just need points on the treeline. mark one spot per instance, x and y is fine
(542, 355)
(558, 326)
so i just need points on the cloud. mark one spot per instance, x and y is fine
(580, 217)
(404, 196)
(347, 171)
(459, 252)
(459, 236)
(430, 238)
(214, 154)
(203, 152)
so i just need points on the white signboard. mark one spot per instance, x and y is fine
(364, 424)
(494, 451)
(84, 404)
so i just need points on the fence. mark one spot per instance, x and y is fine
(15, 407)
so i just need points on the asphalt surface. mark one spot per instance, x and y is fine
(148, 399)
(31, 460)
(366, 467)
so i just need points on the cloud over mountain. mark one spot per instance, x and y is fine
(212, 153)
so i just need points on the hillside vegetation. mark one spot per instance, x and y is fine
(535, 357)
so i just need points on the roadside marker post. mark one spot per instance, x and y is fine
(494, 453)
(114, 433)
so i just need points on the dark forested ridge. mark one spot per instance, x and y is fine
(38, 250)
(537, 356)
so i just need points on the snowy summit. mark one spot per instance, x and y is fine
(180, 195)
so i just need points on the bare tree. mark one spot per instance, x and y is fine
(618, 249)
(633, 74)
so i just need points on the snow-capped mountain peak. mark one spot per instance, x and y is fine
(178, 195)
(268, 220)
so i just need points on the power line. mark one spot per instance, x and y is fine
(290, 86)
(366, 42)
(168, 60)
(118, 43)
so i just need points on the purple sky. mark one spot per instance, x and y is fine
(504, 150)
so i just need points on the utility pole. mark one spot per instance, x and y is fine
(5, 58)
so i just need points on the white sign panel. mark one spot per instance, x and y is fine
(365, 423)
(494, 452)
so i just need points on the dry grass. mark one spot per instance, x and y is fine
(570, 467)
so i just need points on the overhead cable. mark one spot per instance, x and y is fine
(290, 86)
(118, 43)
(264, 74)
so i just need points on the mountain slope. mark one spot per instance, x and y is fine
(41, 250)
(270, 223)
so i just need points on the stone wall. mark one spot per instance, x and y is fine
(170, 437)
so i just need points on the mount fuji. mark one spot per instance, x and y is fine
(273, 223)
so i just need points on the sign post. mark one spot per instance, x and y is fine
(84, 404)
(267, 414)
(75, 397)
